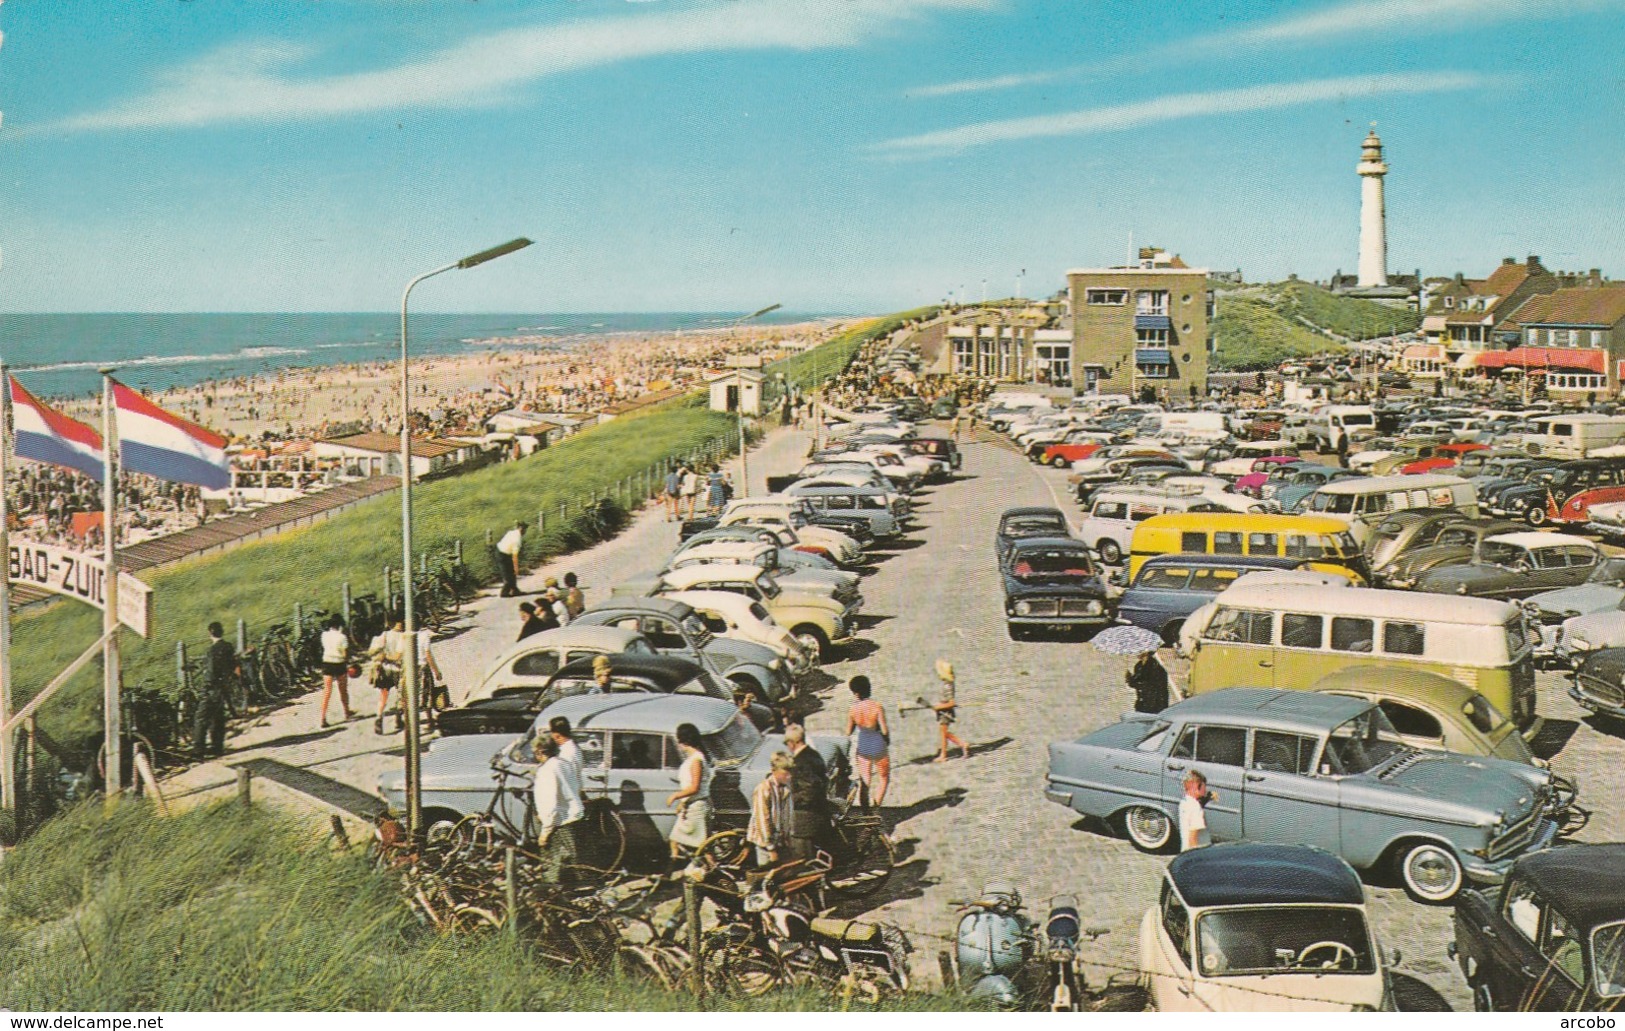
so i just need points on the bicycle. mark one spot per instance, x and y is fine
(278, 671)
(600, 837)
(865, 854)
(369, 617)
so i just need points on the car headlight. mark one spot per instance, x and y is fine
(775, 664)
(1518, 503)
(1094, 608)
(1023, 608)
(1461, 588)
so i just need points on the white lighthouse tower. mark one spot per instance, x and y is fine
(1373, 216)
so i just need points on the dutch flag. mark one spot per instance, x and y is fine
(43, 434)
(162, 444)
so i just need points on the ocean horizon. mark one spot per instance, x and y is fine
(59, 354)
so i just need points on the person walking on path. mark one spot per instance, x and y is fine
(946, 708)
(871, 753)
(559, 810)
(954, 427)
(508, 558)
(209, 720)
(1193, 812)
(809, 791)
(674, 484)
(1149, 679)
(431, 682)
(575, 601)
(772, 812)
(716, 492)
(688, 493)
(336, 667)
(387, 651)
(692, 798)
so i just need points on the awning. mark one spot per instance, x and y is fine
(1425, 352)
(1152, 356)
(1153, 322)
(1545, 358)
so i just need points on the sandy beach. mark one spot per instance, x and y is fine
(576, 374)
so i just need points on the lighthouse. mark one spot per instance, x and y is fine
(1373, 218)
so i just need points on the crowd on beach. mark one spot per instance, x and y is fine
(43, 499)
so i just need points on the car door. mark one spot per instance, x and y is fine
(1511, 960)
(1560, 986)
(639, 780)
(1220, 753)
(1282, 797)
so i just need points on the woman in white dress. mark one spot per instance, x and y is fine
(693, 795)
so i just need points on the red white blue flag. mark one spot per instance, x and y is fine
(43, 434)
(162, 444)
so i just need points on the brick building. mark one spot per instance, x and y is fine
(1139, 326)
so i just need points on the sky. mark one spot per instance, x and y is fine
(826, 155)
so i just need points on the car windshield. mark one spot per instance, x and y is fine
(1499, 553)
(1033, 525)
(1608, 959)
(1338, 503)
(1609, 571)
(1363, 744)
(1039, 562)
(1485, 717)
(694, 629)
(1284, 939)
(769, 586)
(734, 742)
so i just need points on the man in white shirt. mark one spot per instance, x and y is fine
(558, 810)
(1192, 813)
(570, 752)
(508, 558)
(555, 601)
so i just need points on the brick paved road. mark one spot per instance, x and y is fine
(985, 818)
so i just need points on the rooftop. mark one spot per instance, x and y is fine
(1247, 873)
(389, 444)
(1574, 306)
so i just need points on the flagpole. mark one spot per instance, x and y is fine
(8, 759)
(113, 739)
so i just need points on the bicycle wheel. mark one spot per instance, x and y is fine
(868, 856)
(601, 841)
(737, 968)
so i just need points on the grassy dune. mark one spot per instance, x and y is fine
(1349, 317)
(1251, 334)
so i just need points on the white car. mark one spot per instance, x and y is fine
(780, 511)
(737, 617)
(532, 661)
(1252, 927)
(769, 557)
(1362, 461)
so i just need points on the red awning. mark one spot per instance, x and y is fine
(1545, 358)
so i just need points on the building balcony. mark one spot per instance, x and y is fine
(1152, 320)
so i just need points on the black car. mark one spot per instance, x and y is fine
(1032, 521)
(1552, 937)
(1051, 583)
(1599, 683)
(512, 710)
(1531, 501)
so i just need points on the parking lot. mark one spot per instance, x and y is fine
(966, 822)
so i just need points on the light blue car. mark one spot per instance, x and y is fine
(1313, 769)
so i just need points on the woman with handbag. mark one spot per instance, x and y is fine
(387, 651)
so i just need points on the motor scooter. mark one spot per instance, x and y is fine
(993, 948)
(1066, 984)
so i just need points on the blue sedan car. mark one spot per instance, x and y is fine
(1312, 769)
(1171, 587)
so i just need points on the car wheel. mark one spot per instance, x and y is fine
(812, 640)
(740, 680)
(1536, 516)
(1431, 873)
(1148, 829)
(438, 824)
(1059, 462)
(1110, 553)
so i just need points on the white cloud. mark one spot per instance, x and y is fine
(256, 81)
(1175, 106)
(1352, 18)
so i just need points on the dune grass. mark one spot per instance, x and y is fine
(1351, 317)
(1251, 335)
(261, 582)
(232, 908)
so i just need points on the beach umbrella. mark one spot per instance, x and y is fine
(1126, 640)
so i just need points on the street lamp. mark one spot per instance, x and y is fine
(409, 658)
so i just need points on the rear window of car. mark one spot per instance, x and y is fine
(1164, 578)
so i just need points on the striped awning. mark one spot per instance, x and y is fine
(1153, 322)
(1152, 356)
(1545, 358)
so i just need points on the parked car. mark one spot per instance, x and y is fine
(532, 661)
(1394, 534)
(1602, 592)
(736, 618)
(1453, 543)
(1552, 939)
(631, 760)
(1335, 774)
(1516, 565)
(674, 628)
(871, 504)
(1535, 503)
(819, 623)
(790, 573)
(1243, 927)
(1433, 712)
(1051, 583)
(1017, 523)
(1599, 683)
(512, 709)
(1170, 587)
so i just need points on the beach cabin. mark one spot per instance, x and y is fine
(363, 455)
(737, 390)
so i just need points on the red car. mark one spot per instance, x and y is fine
(1252, 484)
(1445, 456)
(1063, 455)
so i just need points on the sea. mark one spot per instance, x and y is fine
(60, 355)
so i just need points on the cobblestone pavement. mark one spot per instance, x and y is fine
(985, 818)
(965, 822)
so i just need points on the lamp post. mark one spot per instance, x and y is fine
(409, 657)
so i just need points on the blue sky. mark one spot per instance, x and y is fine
(830, 155)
